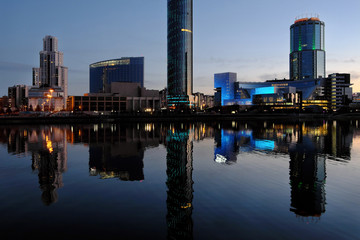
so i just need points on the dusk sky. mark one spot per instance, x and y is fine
(251, 38)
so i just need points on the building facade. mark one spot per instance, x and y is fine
(51, 72)
(51, 77)
(46, 99)
(341, 92)
(17, 96)
(307, 49)
(224, 87)
(180, 52)
(103, 73)
(124, 97)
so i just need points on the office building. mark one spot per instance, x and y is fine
(307, 49)
(180, 53)
(102, 74)
(341, 92)
(224, 87)
(123, 97)
(276, 94)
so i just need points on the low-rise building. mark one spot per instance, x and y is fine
(124, 97)
(17, 96)
(46, 99)
(4, 103)
(330, 93)
(341, 92)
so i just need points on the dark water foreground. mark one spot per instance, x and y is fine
(255, 179)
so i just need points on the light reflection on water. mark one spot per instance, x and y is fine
(117, 152)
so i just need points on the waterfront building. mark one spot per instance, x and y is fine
(46, 99)
(224, 87)
(209, 101)
(307, 49)
(17, 96)
(329, 93)
(341, 92)
(163, 98)
(276, 94)
(51, 75)
(102, 74)
(4, 103)
(180, 53)
(123, 97)
(51, 72)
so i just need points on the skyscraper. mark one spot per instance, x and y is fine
(307, 49)
(180, 52)
(51, 73)
(50, 80)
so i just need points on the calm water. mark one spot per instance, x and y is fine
(234, 180)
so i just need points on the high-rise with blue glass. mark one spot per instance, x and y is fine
(180, 52)
(307, 49)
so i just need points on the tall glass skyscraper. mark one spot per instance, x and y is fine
(180, 52)
(307, 49)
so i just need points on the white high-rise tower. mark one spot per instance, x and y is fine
(51, 73)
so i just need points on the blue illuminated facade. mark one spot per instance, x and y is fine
(307, 49)
(246, 93)
(224, 85)
(180, 52)
(229, 143)
(103, 73)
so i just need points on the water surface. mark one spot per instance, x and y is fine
(228, 180)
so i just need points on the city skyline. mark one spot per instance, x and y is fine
(228, 37)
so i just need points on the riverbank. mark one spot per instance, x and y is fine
(71, 119)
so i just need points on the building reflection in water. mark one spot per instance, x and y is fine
(179, 160)
(307, 179)
(117, 151)
(237, 138)
(48, 149)
(308, 143)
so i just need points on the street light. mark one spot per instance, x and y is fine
(50, 96)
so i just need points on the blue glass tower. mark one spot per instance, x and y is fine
(307, 49)
(103, 73)
(180, 52)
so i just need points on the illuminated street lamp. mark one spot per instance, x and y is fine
(50, 96)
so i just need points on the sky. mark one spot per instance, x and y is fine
(249, 37)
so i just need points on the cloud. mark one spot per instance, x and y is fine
(18, 67)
